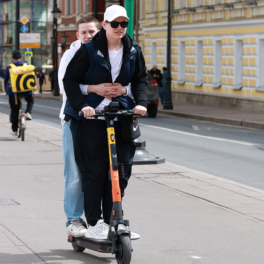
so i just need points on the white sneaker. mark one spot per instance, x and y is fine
(99, 231)
(28, 116)
(133, 236)
(14, 134)
(76, 229)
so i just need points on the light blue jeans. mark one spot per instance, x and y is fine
(73, 197)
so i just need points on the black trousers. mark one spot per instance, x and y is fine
(15, 108)
(92, 158)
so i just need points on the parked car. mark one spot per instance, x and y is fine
(153, 97)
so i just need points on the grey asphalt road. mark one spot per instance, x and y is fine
(230, 152)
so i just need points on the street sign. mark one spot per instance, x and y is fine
(24, 20)
(27, 49)
(29, 40)
(24, 29)
(28, 55)
(21, 25)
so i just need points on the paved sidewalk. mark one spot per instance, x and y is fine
(43, 143)
(236, 117)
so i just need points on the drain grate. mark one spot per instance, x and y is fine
(7, 201)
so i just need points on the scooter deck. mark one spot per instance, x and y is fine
(100, 245)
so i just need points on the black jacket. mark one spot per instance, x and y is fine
(79, 66)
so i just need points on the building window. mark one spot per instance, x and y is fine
(164, 5)
(59, 4)
(152, 6)
(85, 9)
(68, 7)
(261, 65)
(238, 64)
(196, 3)
(199, 63)
(142, 9)
(78, 6)
(182, 63)
(218, 64)
(178, 4)
(153, 54)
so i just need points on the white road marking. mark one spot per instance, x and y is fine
(195, 257)
(47, 107)
(195, 128)
(195, 135)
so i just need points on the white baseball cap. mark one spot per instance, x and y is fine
(114, 11)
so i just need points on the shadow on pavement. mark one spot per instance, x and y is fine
(57, 257)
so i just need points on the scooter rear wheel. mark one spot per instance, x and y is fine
(125, 250)
(77, 248)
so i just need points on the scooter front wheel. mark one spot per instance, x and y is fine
(125, 250)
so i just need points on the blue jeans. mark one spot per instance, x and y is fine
(161, 93)
(73, 197)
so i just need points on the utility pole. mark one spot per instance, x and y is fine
(129, 9)
(167, 100)
(17, 25)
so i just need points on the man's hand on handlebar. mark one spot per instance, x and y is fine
(88, 111)
(139, 109)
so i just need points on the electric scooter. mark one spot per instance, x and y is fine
(118, 241)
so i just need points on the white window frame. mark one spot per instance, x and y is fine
(260, 58)
(197, 3)
(68, 8)
(153, 6)
(238, 67)
(218, 64)
(179, 4)
(85, 6)
(78, 7)
(142, 9)
(153, 53)
(181, 78)
(165, 5)
(199, 63)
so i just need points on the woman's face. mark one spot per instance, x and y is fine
(115, 33)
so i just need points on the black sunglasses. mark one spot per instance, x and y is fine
(115, 24)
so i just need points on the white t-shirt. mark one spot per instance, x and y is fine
(115, 58)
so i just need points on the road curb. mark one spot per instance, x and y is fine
(234, 122)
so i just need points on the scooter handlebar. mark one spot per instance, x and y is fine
(118, 113)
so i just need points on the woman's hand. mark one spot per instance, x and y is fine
(139, 109)
(88, 111)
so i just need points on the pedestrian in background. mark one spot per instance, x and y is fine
(51, 78)
(42, 78)
(164, 79)
(15, 104)
(156, 73)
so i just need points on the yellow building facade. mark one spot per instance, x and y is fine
(217, 46)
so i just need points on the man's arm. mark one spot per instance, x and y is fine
(74, 75)
(7, 76)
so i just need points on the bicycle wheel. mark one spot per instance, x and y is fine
(125, 250)
(19, 129)
(23, 134)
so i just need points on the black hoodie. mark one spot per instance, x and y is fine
(79, 66)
